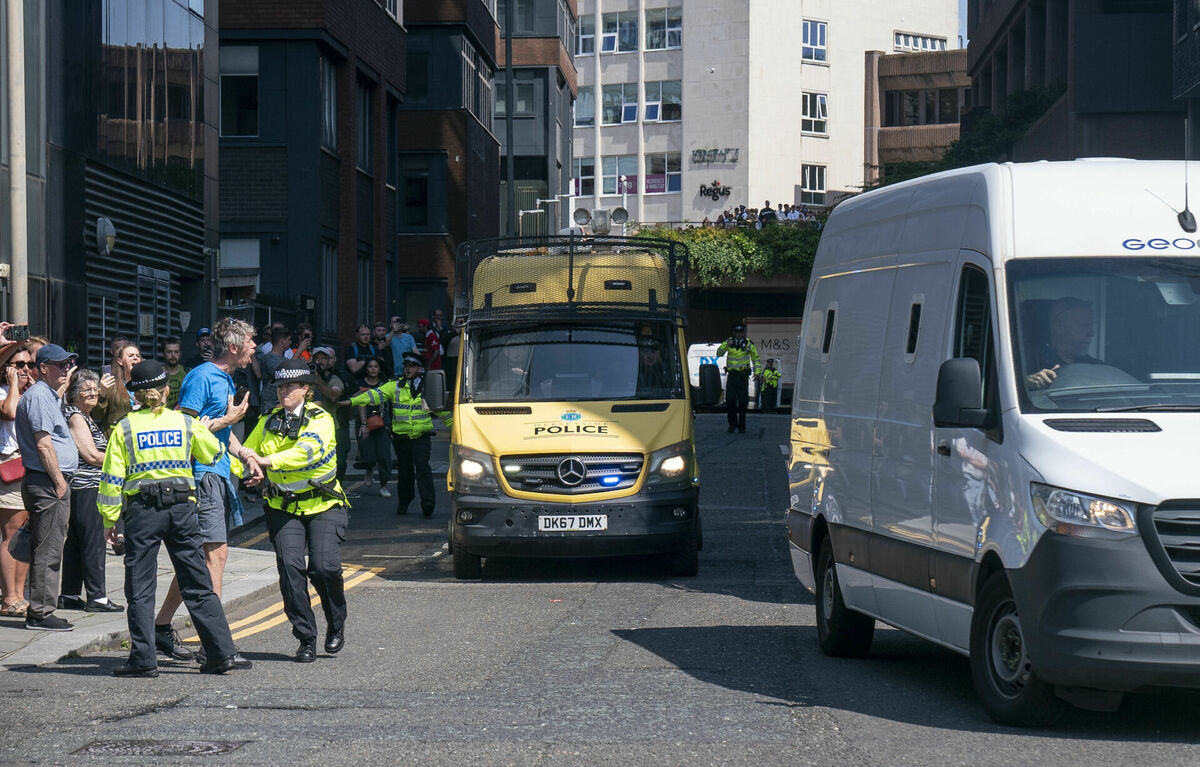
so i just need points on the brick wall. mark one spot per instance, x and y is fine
(253, 183)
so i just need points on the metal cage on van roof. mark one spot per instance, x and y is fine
(570, 277)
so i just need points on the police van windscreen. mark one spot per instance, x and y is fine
(572, 362)
(1106, 334)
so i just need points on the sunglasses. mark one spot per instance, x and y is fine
(21, 364)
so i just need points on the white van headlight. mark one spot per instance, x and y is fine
(1072, 513)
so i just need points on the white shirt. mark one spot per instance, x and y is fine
(8, 429)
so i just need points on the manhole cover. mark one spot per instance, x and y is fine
(161, 747)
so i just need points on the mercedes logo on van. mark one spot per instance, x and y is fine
(571, 472)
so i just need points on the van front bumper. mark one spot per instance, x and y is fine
(1101, 614)
(648, 523)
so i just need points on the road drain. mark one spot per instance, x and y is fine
(161, 747)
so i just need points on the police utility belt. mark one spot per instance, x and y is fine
(291, 498)
(164, 493)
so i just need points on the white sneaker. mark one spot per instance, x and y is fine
(368, 480)
(385, 492)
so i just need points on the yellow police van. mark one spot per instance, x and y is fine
(572, 432)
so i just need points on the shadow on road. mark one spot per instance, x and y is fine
(904, 680)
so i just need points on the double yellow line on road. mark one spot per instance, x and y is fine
(274, 615)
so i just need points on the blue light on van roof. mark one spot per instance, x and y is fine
(609, 481)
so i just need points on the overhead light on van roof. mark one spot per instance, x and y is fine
(619, 216)
(582, 217)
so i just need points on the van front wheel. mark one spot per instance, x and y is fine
(1004, 678)
(841, 631)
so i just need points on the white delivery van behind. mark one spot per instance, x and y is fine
(777, 338)
(706, 354)
(994, 429)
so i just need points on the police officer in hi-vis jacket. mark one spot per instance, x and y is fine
(741, 361)
(412, 432)
(148, 465)
(295, 444)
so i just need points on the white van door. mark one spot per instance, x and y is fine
(964, 478)
(903, 461)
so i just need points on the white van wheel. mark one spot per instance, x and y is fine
(841, 631)
(1003, 675)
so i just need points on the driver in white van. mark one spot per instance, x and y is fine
(1072, 327)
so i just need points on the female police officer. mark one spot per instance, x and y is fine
(305, 506)
(149, 462)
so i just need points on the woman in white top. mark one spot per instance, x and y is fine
(15, 378)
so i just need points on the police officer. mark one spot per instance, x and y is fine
(741, 361)
(412, 432)
(148, 465)
(295, 445)
(768, 389)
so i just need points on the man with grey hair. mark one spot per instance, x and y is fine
(209, 392)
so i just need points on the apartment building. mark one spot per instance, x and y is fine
(687, 109)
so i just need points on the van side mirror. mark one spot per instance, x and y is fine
(959, 401)
(710, 386)
(435, 389)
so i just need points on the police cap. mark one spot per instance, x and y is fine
(411, 358)
(295, 370)
(147, 374)
(739, 327)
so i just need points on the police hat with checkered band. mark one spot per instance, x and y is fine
(413, 359)
(147, 374)
(294, 371)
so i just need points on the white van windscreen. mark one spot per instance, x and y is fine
(1106, 334)
(572, 362)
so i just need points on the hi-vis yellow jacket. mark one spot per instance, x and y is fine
(739, 356)
(147, 447)
(409, 416)
(299, 463)
(770, 378)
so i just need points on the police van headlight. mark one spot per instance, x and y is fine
(473, 471)
(671, 465)
(1071, 513)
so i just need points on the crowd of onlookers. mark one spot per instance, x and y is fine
(55, 419)
(759, 217)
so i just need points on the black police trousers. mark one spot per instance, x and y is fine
(737, 397)
(318, 537)
(178, 527)
(412, 462)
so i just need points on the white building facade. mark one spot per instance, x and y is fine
(703, 105)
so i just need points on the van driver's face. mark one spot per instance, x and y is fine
(1076, 328)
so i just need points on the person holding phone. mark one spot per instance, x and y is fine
(304, 343)
(209, 392)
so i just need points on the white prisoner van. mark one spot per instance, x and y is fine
(995, 438)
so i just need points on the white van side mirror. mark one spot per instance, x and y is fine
(435, 389)
(959, 401)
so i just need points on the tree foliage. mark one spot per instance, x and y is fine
(728, 256)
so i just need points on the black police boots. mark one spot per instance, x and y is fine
(167, 642)
(335, 641)
(307, 652)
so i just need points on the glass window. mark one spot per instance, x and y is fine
(239, 90)
(620, 33)
(664, 101)
(572, 362)
(583, 176)
(585, 107)
(812, 184)
(392, 142)
(418, 77)
(365, 126)
(329, 275)
(421, 193)
(328, 104)
(615, 167)
(664, 28)
(620, 103)
(813, 44)
(906, 42)
(815, 113)
(366, 284)
(477, 79)
(585, 38)
(1098, 334)
(664, 173)
(973, 328)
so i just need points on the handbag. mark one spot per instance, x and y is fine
(373, 422)
(12, 469)
(21, 545)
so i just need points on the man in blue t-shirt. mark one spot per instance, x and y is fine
(401, 342)
(208, 392)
